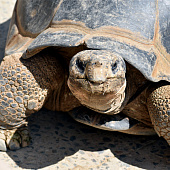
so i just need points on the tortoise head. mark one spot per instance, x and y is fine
(97, 80)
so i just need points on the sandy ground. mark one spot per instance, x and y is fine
(58, 142)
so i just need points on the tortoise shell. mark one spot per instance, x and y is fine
(139, 31)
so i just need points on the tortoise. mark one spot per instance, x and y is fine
(106, 63)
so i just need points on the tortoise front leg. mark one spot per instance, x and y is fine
(158, 104)
(21, 94)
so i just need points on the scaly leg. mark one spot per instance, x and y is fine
(24, 86)
(158, 103)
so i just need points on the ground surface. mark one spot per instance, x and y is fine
(58, 142)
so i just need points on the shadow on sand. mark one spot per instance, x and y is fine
(56, 135)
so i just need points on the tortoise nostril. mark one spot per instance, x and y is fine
(98, 64)
(80, 65)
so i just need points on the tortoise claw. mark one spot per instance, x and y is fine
(3, 145)
(2, 141)
(14, 141)
(25, 138)
(14, 145)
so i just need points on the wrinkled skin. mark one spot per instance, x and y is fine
(97, 80)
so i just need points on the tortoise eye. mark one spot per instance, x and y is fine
(114, 67)
(81, 66)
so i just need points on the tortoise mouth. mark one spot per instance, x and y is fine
(111, 85)
(106, 97)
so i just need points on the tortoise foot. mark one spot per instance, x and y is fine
(14, 139)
